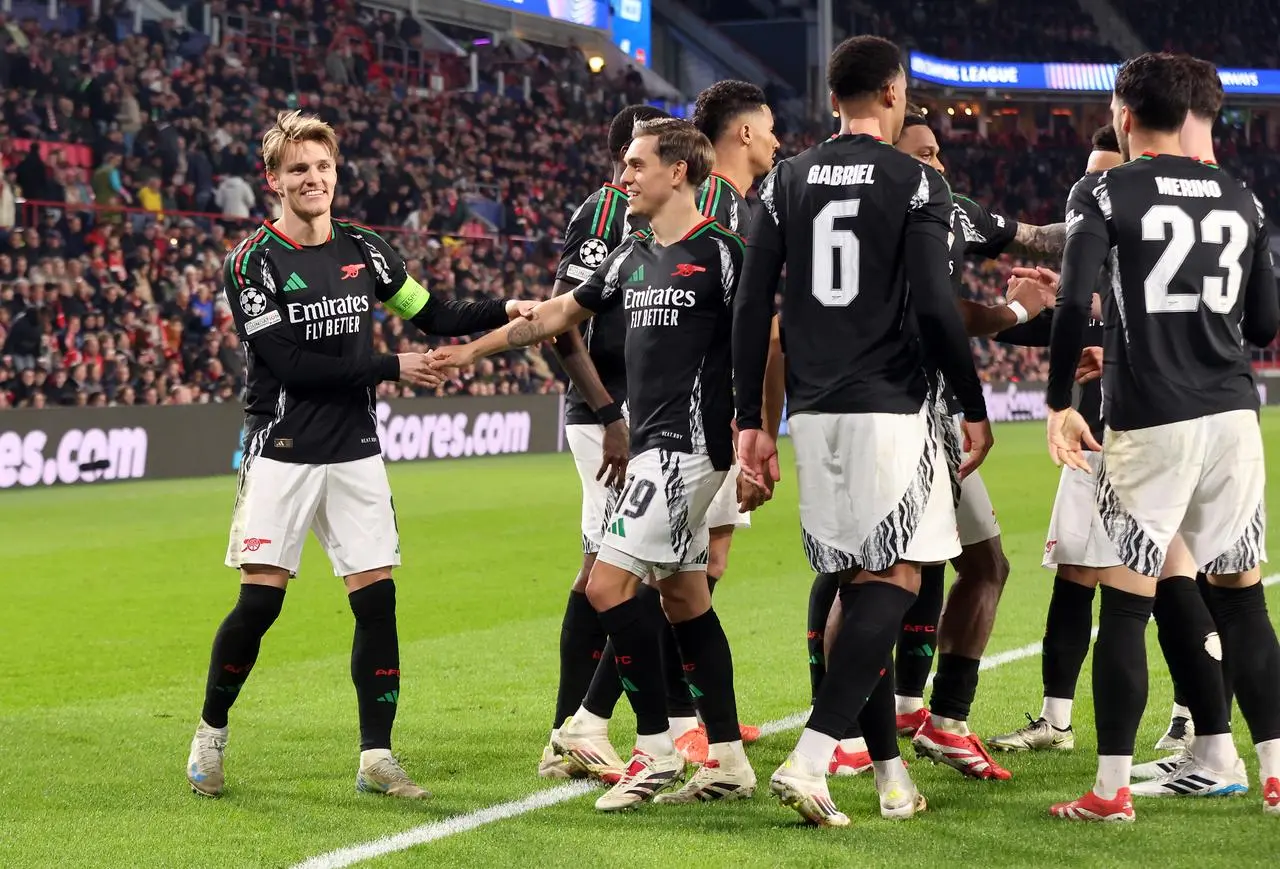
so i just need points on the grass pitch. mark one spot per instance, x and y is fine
(112, 594)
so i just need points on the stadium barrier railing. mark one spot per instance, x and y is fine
(29, 211)
(75, 446)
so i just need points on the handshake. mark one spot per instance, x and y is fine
(429, 370)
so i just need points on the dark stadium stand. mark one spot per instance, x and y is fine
(117, 207)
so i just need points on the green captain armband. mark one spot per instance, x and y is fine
(409, 300)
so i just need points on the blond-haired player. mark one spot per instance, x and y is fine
(302, 290)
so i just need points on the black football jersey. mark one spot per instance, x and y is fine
(718, 198)
(1189, 280)
(677, 304)
(596, 228)
(842, 217)
(975, 231)
(324, 297)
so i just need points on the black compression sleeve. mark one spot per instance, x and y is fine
(1084, 257)
(1033, 333)
(297, 368)
(752, 315)
(452, 317)
(926, 258)
(1261, 306)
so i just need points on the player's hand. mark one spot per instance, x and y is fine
(451, 357)
(520, 308)
(416, 370)
(758, 456)
(1090, 367)
(1030, 294)
(978, 441)
(1069, 437)
(1046, 276)
(750, 496)
(617, 449)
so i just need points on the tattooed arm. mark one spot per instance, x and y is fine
(1044, 241)
(547, 320)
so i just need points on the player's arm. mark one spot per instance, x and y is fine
(986, 233)
(272, 340)
(1033, 333)
(1261, 307)
(548, 319)
(568, 346)
(753, 306)
(775, 382)
(403, 296)
(752, 318)
(942, 328)
(1043, 241)
(1088, 244)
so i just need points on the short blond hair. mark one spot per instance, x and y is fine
(291, 128)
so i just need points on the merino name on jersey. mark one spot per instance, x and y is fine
(842, 176)
(1196, 187)
(657, 306)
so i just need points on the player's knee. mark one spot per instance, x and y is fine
(375, 602)
(717, 564)
(259, 606)
(366, 578)
(604, 591)
(682, 601)
(985, 564)
(1245, 579)
(1086, 577)
(584, 573)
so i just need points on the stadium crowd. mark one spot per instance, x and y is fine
(110, 268)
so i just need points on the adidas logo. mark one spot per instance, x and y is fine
(616, 528)
(390, 697)
(294, 283)
(637, 275)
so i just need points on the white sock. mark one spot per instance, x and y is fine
(729, 754)
(588, 722)
(1268, 759)
(1216, 751)
(372, 756)
(853, 746)
(656, 744)
(1057, 711)
(815, 749)
(1113, 774)
(951, 725)
(889, 770)
(681, 726)
(555, 734)
(1179, 711)
(221, 731)
(907, 705)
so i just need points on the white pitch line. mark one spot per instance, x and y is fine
(435, 830)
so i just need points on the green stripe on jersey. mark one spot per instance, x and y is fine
(236, 276)
(742, 245)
